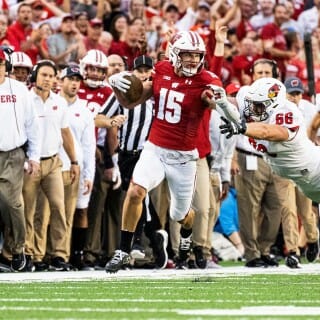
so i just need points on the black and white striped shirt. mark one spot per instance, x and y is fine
(135, 131)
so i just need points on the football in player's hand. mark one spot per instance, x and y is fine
(135, 91)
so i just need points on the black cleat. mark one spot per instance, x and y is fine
(119, 260)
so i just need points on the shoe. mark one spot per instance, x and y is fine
(184, 248)
(256, 263)
(312, 251)
(41, 266)
(29, 267)
(18, 261)
(292, 261)
(137, 251)
(5, 264)
(181, 264)
(76, 260)
(270, 261)
(87, 266)
(119, 260)
(58, 264)
(160, 249)
(200, 262)
(191, 264)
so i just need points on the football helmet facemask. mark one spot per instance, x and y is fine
(263, 96)
(186, 41)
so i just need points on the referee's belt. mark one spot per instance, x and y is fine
(47, 158)
(130, 152)
(249, 153)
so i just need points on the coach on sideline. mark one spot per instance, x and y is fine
(18, 124)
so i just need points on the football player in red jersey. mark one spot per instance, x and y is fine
(182, 91)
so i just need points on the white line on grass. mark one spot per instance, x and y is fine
(256, 311)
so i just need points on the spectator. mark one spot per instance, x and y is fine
(91, 41)
(66, 46)
(264, 15)
(81, 22)
(105, 41)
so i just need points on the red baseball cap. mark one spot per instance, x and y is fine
(232, 88)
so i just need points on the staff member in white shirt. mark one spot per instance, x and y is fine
(54, 130)
(18, 124)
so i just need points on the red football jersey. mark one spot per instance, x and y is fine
(178, 106)
(96, 97)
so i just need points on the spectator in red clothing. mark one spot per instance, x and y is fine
(248, 8)
(152, 9)
(91, 41)
(5, 38)
(274, 42)
(131, 47)
(22, 32)
(243, 62)
(119, 26)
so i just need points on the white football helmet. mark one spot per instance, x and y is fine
(186, 41)
(21, 59)
(263, 96)
(97, 59)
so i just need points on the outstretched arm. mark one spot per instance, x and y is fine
(257, 130)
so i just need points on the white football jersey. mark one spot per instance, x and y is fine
(297, 158)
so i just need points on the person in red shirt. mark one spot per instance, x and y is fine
(91, 41)
(21, 30)
(131, 47)
(182, 91)
(274, 42)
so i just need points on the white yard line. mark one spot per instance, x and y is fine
(239, 271)
(256, 311)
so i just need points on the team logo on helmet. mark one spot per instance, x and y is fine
(274, 91)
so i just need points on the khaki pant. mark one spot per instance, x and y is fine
(260, 196)
(11, 181)
(42, 219)
(51, 182)
(298, 205)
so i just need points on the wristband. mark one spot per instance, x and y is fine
(75, 163)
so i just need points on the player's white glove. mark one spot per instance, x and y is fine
(231, 128)
(220, 98)
(118, 81)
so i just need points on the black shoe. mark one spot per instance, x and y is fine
(5, 264)
(137, 251)
(256, 263)
(312, 251)
(87, 266)
(293, 261)
(181, 264)
(18, 261)
(58, 264)
(41, 266)
(160, 249)
(191, 264)
(119, 260)
(76, 260)
(29, 267)
(270, 261)
(201, 262)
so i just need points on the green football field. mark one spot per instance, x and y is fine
(226, 293)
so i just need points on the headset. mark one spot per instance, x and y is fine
(36, 67)
(272, 63)
(7, 52)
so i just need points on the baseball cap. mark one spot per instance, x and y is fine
(293, 84)
(232, 88)
(143, 61)
(204, 4)
(79, 14)
(95, 22)
(37, 5)
(70, 72)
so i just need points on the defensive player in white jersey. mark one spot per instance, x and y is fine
(276, 127)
